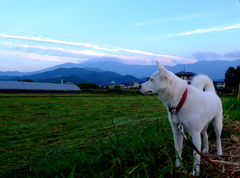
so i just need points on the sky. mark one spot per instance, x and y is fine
(35, 35)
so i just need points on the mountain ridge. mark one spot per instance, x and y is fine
(77, 75)
(100, 71)
(214, 69)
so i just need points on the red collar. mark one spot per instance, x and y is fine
(174, 110)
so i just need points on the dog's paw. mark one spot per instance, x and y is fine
(194, 174)
(177, 163)
(219, 150)
(204, 151)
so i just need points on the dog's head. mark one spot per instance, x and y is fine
(157, 81)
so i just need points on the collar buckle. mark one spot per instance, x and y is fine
(179, 106)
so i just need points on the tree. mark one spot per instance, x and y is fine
(26, 80)
(88, 86)
(232, 77)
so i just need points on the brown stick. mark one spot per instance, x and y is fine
(226, 162)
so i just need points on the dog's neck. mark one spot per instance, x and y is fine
(172, 95)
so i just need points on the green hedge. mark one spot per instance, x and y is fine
(110, 91)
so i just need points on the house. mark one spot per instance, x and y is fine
(136, 85)
(220, 86)
(219, 83)
(186, 76)
(109, 85)
(126, 85)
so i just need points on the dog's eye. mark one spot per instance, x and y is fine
(151, 79)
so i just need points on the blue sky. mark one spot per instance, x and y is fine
(38, 34)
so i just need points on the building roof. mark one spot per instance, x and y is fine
(219, 81)
(36, 86)
(182, 73)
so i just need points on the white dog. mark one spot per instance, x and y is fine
(194, 110)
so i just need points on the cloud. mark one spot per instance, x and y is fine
(170, 19)
(33, 56)
(47, 40)
(87, 45)
(61, 52)
(87, 51)
(207, 56)
(232, 55)
(199, 31)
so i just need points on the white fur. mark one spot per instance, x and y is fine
(200, 108)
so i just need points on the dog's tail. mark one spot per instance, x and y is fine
(203, 83)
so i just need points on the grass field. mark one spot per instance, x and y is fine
(92, 135)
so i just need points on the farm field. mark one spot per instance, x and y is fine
(97, 135)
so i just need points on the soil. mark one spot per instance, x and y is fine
(230, 160)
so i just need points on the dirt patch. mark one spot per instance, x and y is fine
(230, 160)
(236, 127)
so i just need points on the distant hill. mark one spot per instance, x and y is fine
(71, 78)
(102, 71)
(138, 71)
(76, 75)
(214, 69)
(13, 73)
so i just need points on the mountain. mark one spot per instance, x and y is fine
(138, 71)
(12, 73)
(65, 79)
(66, 65)
(77, 75)
(214, 69)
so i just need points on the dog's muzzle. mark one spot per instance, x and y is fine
(146, 92)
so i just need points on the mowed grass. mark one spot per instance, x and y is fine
(89, 135)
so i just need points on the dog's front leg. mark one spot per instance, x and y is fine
(178, 141)
(196, 139)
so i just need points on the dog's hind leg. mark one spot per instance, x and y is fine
(217, 124)
(205, 139)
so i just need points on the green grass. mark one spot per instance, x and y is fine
(231, 107)
(90, 135)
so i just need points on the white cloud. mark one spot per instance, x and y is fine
(199, 31)
(47, 40)
(90, 51)
(60, 52)
(33, 56)
(170, 19)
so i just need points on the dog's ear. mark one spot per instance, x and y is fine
(162, 70)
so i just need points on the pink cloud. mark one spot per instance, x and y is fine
(95, 51)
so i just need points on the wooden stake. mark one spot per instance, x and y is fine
(239, 91)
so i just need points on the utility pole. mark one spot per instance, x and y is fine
(239, 91)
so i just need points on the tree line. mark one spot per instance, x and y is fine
(232, 78)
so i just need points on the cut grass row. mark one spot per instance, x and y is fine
(89, 135)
